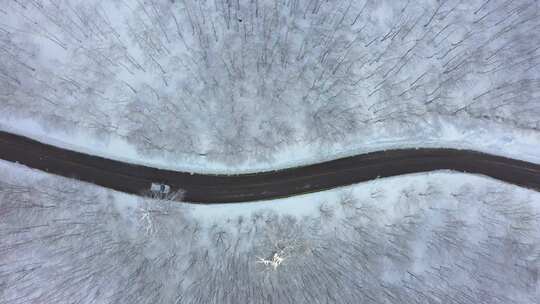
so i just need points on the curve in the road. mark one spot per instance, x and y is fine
(208, 189)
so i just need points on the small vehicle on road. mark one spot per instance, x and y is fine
(160, 189)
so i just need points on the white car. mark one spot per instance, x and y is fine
(160, 188)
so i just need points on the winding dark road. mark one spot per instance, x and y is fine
(208, 189)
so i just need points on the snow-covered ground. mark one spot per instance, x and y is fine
(217, 86)
(437, 237)
(243, 86)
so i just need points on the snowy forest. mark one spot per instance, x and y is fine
(231, 80)
(443, 239)
(233, 84)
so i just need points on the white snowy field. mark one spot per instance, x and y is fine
(426, 238)
(235, 86)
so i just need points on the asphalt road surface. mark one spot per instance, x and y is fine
(208, 189)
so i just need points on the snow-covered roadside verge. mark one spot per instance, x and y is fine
(414, 239)
(480, 135)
